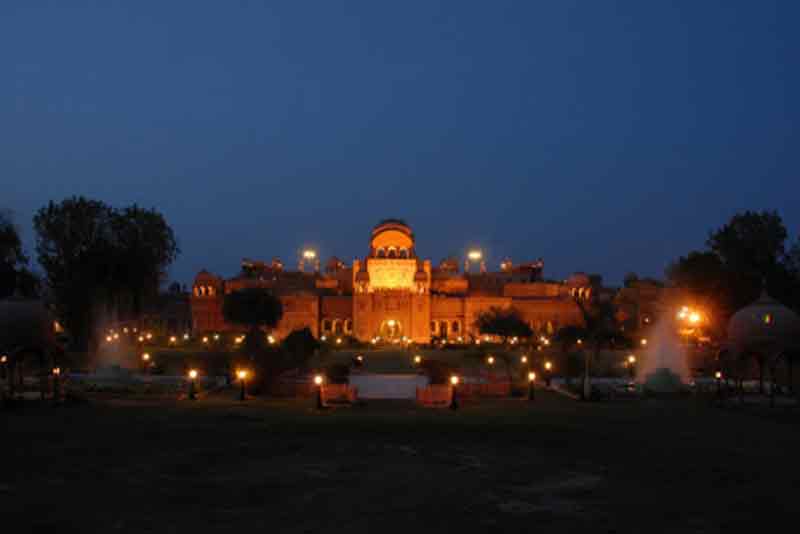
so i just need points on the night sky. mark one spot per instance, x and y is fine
(602, 136)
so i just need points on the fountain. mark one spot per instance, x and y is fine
(663, 368)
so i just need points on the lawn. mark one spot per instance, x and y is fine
(497, 466)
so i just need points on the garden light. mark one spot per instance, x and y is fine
(242, 374)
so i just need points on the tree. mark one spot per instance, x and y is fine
(253, 308)
(569, 337)
(74, 245)
(601, 330)
(93, 254)
(504, 323)
(741, 256)
(14, 273)
(630, 279)
(300, 346)
(145, 247)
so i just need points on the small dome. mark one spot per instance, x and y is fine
(764, 322)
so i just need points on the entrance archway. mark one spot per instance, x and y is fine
(391, 329)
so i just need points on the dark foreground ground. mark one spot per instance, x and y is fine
(499, 466)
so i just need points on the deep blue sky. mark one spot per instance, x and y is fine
(603, 136)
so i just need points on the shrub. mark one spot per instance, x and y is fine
(337, 373)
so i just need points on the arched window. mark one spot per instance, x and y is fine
(392, 253)
(337, 326)
(434, 328)
(404, 253)
(326, 325)
(210, 291)
(443, 328)
(455, 327)
(380, 253)
(348, 326)
(196, 291)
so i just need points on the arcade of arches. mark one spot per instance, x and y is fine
(393, 293)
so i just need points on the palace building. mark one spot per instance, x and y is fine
(392, 293)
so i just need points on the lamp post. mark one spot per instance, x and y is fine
(3, 366)
(242, 374)
(318, 381)
(56, 384)
(548, 373)
(632, 366)
(454, 397)
(145, 362)
(718, 380)
(192, 378)
(531, 388)
(417, 360)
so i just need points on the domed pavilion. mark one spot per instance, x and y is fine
(769, 332)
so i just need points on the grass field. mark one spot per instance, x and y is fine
(498, 466)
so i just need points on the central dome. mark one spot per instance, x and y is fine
(392, 238)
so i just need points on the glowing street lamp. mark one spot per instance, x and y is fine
(359, 360)
(718, 380)
(632, 365)
(205, 340)
(216, 337)
(490, 360)
(192, 388)
(643, 342)
(141, 339)
(531, 380)
(145, 361)
(338, 341)
(417, 359)
(548, 375)
(109, 339)
(323, 338)
(149, 336)
(318, 381)
(271, 339)
(309, 254)
(454, 395)
(173, 340)
(523, 359)
(242, 375)
(3, 366)
(186, 337)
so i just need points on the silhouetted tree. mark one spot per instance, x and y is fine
(253, 308)
(144, 247)
(602, 331)
(504, 323)
(743, 254)
(300, 346)
(14, 273)
(92, 254)
(569, 338)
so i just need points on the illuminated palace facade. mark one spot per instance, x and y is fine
(391, 293)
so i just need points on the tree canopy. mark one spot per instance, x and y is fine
(742, 255)
(14, 273)
(252, 308)
(504, 323)
(93, 255)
